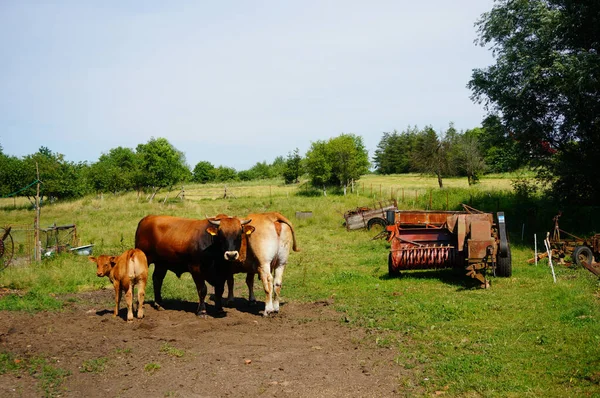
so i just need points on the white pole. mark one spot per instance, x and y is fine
(550, 259)
(535, 245)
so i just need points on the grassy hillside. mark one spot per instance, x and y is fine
(524, 336)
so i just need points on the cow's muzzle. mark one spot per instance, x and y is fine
(231, 255)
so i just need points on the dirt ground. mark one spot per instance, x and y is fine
(305, 351)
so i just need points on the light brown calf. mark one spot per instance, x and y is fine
(125, 271)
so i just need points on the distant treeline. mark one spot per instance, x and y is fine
(157, 164)
(337, 162)
(450, 153)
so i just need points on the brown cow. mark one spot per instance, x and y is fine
(205, 248)
(125, 271)
(268, 249)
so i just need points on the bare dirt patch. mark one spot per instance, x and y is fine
(304, 351)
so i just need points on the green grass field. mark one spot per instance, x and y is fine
(525, 336)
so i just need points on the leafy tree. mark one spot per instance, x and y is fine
(224, 174)
(261, 170)
(278, 166)
(469, 160)
(339, 161)
(12, 177)
(293, 167)
(394, 152)
(349, 159)
(318, 164)
(118, 170)
(501, 152)
(161, 164)
(61, 179)
(545, 85)
(204, 172)
(431, 155)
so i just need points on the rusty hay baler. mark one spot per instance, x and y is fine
(468, 239)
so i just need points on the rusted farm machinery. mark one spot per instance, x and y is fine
(369, 217)
(7, 247)
(584, 252)
(449, 239)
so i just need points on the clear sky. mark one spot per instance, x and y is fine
(231, 82)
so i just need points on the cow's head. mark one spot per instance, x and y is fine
(104, 264)
(228, 233)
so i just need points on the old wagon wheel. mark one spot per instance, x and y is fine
(581, 254)
(7, 247)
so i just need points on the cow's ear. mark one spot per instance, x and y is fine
(248, 229)
(92, 259)
(212, 230)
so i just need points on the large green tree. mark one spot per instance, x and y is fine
(337, 162)
(545, 85)
(117, 170)
(432, 154)
(349, 159)
(293, 167)
(318, 165)
(394, 151)
(61, 179)
(469, 159)
(12, 175)
(204, 172)
(161, 164)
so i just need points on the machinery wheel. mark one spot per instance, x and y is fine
(378, 223)
(7, 248)
(581, 254)
(504, 265)
(391, 270)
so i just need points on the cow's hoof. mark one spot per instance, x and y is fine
(202, 314)
(220, 314)
(230, 304)
(157, 307)
(252, 303)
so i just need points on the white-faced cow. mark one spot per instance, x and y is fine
(268, 249)
(125, 271)
(205, 248)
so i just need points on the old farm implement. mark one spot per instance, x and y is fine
(470, 239)
(369, 217)
(7, 247)
(584, 252)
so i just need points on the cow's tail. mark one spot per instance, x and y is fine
(281, 218)
(131, 263)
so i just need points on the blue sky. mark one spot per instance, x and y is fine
(231, 82)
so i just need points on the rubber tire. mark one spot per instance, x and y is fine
(391, 270)
(376, 221)
(582, 251)
(504, 265)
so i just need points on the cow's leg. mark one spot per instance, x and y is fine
(117, 286)
(277, 282)
(264, 273)
(141, 286)
(250, 284)
(219, 290)
(201, 289)
(129, 300)
(230, 296)
(157, 280)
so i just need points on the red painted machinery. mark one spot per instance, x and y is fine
(446, 239)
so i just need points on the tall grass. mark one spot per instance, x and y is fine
(524, 336)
